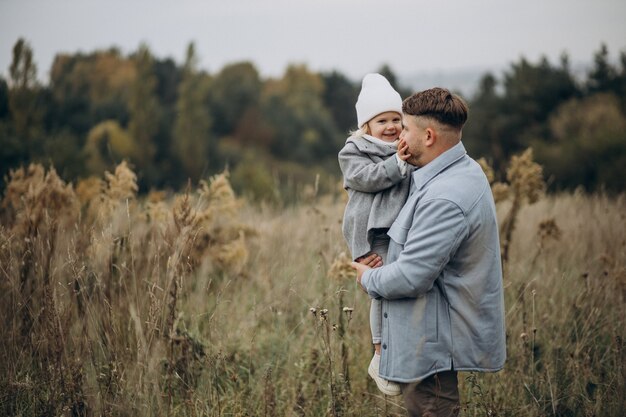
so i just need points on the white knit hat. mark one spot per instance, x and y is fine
(377, 96)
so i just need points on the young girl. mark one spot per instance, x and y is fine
(377, 178)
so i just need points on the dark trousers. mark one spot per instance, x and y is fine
(435, 396)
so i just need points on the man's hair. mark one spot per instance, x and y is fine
(438, 104)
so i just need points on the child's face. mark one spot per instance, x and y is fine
(386, 126)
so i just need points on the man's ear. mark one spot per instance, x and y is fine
(431, 136)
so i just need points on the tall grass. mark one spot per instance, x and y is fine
(201, 304)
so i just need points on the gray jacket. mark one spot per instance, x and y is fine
(443, 303)
(376, 189)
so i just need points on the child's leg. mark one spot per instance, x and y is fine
(385, 386)
(376, 323)
(380, 245)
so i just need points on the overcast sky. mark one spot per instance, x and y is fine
(352, 36)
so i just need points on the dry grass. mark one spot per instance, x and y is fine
(200, 305)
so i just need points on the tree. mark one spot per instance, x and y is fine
(192, 143)
(235, 90)
(168, 76)
(622, 78)
(12, 151)
(24, 93)
(89, 89)
(107, 145)
(23, 70)
(588, 144)
(4, 100)
(304, 129)
(339, 98)
(531, 93)
(484, 130)
(603, 76)
(145, 113)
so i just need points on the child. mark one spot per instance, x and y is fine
(377, 178)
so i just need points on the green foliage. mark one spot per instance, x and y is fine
(107, 145)
(577, 134)
(186, 123)
(23, 71)
(484, 131)
(193, 143)
(253, 179)
(24, 93)
(88, 89)
(531, 93)
(340, 96)
(4, 99)
(145, 112)
(304, 129)
(235, 90)
(60, 150)
(588, 144)
(603, 76)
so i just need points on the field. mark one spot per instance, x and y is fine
(201, 304)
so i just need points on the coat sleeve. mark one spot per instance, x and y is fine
(360, 173)
(438, 229)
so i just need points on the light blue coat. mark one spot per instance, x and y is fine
(443, 304)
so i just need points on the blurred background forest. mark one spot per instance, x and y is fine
(175, 123)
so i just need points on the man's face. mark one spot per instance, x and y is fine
(414, 135)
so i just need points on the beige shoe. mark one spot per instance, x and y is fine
(386, 387)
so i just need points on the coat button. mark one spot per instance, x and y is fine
(385, 315)
(384, 346)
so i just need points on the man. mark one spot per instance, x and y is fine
(441, 289)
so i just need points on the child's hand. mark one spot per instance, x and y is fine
(372, 260)
(403, 150)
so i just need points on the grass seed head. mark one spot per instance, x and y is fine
(122, 184)
(184, 215)
(487, 169)
(526, 177)
(341, 269)
(32, 196)
(549, 230)
(500, 191)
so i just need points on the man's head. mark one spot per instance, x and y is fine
(433, 120)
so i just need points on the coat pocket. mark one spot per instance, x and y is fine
(398, 233)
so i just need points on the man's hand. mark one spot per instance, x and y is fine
(360, 268)
(364, 263)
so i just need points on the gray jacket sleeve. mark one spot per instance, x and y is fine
(360, 173)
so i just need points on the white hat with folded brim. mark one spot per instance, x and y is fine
(377, 96)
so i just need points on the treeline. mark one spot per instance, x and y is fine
(176, 123)
(576, 125)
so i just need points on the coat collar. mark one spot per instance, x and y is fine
(429, 171)
(370, 145)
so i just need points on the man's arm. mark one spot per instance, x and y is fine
(437, 230)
